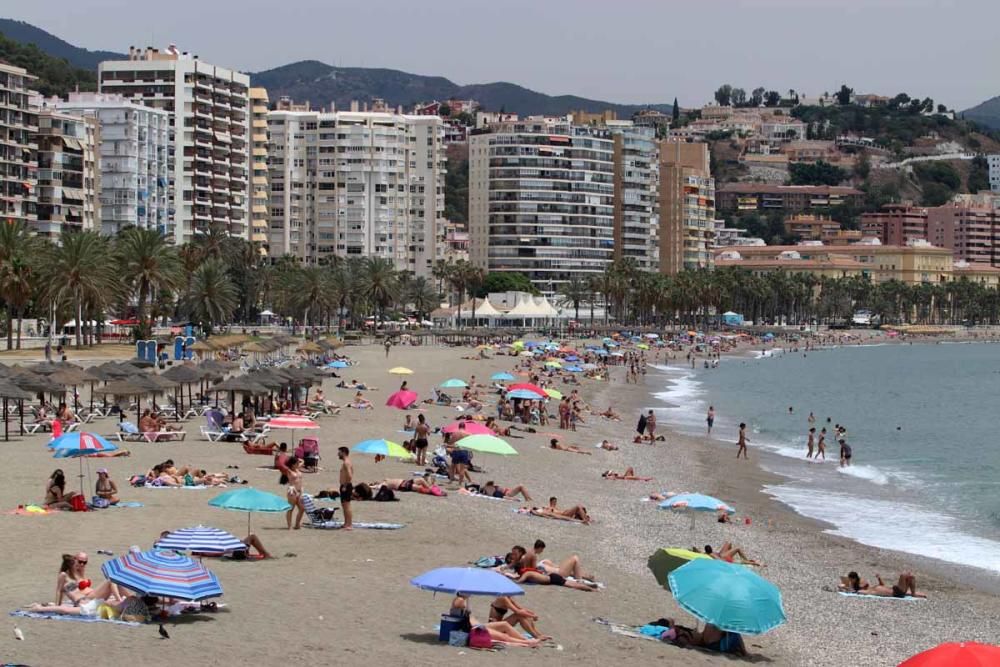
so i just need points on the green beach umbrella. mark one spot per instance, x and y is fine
(666, 560)
(487, 444)
(382, 448)
(554, 393)
(453, 383)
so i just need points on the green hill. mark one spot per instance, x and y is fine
(986, 114)
(25, 33)
(56, 76)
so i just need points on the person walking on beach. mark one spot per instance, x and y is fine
(651, 427)
(346, 485)
(821, 445)
(420, 433)
(388, 346)
(809, 444)
(742, 442)
(710, 418)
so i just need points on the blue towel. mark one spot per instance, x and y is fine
(65, 617)
(336, 525)
(876, 597)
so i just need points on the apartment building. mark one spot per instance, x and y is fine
(132, 151)
(357, 184)
(636, 186)
(994, 164)
(811, 227)
(972, 233)
(208, 109)
(259, 189)
(541, 199)
(69, 178)
(18, 145)
(896, 224)
(687, 207)
(746, 197)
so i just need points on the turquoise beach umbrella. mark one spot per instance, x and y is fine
(453, 383)
(249, 500)
(730, 597)
(502, 377)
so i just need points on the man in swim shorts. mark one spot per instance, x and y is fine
(346, 485)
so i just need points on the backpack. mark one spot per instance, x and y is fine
(384, 494)
(479, 637)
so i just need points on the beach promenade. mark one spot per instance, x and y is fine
(333, 597)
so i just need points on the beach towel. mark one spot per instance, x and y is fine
(526, 512)
(337, 525)
(623, 630)
(877, 597)
(122, 505)
(196, 487)
(32, 510)
(24, 613)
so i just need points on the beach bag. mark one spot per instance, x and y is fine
(458, 638)
(479, 637)
(385, 494)
(99, 503)
(134, 610)
(78, 503)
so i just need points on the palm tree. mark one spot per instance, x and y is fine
(147, 263)
(80, 270)
(423, 297)
(379, 283)
(307, 290)
(211, 295)
(475, 277)
(19, 251)
(572, 293)
(458, 276)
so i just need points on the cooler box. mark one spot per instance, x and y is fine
(448, 623)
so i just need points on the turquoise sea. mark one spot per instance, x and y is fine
(923, 422)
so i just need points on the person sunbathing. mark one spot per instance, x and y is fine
(629, 475)
(712, 639)
(361, 403)
(471, 399)
(729, 553)
(56, 496)
(422, 485)
(519, 615)
(558, 446)
(491, 489)
(105, 488)
(609, 414)
(552, 579)
(73, 585)
(157, 476)
(356, 385)
(500, 631)
(906, 586)
(608, 446)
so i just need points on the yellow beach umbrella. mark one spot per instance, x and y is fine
(399, 370)
(553, 364)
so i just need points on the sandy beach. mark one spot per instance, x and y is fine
(332, 597)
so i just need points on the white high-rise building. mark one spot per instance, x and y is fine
(209, 156)
(541, 200)
(69, 178)
(133, 151)
(18, 146)
(357, 184)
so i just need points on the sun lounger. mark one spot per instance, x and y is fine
(211, 435)
(31, 429)
(127, 432)
(164, 436)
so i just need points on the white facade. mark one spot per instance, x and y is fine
(69, 178)
(994, 162)
(541, 193)
(18, 145)
(133, 152)
(209, 157)
(637, 179)
(357, 184)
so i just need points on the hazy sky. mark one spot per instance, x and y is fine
(618, 50)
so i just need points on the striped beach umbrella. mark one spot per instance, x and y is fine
(292, 422)
(80, 444)
(163, 573)
(527, 386)
(201, 539)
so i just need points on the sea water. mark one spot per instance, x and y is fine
(922, 421)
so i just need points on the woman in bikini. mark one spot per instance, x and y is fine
(292, 476)
(905, 587)
(105, 487)
(629, 475)
(500, 631)
(558, 446)
(491, 489)
(55, 492)
(519, 615)
(73, 585)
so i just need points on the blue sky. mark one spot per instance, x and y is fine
(623, 50)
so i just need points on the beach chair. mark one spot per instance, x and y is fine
(128, 432)
(35, 427)
(164, 436)
(317, 515)
(212, 430)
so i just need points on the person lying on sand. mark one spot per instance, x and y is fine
(519, 615)
(355, 385)
(728, 553)
(506, 431)
(500, 631)
(491, 489)
(578, 512)
(525, 568)
(628, 475)
(422, 485)
(558, 446)
(710, 639)
(608, 414)
(608, 446)
(905, 587)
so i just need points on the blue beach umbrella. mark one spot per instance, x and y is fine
(453, 383)
(572, 357)
(163, 573)
(467, 581)
(337, 364)
(525, 394)
(502, 377)
(730, 597)
(249, 500)
(573, 369)
(696, 501)
(201, 539)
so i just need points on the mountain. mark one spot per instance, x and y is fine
(321, 84)
(987, 113)
(19, 31)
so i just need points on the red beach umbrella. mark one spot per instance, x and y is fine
(471, 427)
(527, 386)
(956, 654)
(402, 399)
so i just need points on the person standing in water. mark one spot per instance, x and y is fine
(710, 418)
(821, 445)
(742, 442)
(845, 453)
(811, 419)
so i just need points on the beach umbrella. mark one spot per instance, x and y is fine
(524, 394)
(554, 393)
(487, 444)
(617, 354)
(249, 500)
(527, 386)
(589, 367)
(310, 347)
(402, 399)
(666, 560)
(201, 539)
(9, 392)
(526, 354)
(471, 427)
(601, 353)
(518, 344)
(382, 448)
(730, 597)
(293, 422)
(400, 370)
(453, 383)
(79, 445)
(552, 363)
(956, 654)
(572, 357)
(163, 573)
(696, 501)
(574, 369)
(642, 346)
(467, 581)
(502, 377)
(337, 364)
